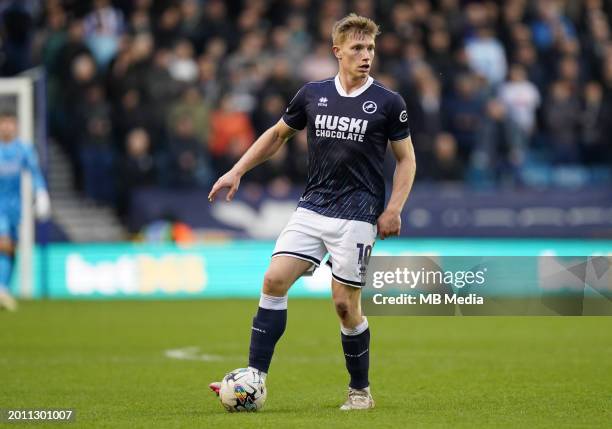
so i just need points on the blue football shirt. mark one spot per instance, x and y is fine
(347, 140)
(15, 157)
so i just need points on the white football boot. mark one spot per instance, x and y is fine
(7, 301)
(358, 399)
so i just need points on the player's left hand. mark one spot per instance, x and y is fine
(389, 224)
(42, 205)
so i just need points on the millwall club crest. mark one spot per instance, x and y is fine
(322, 102)
(369, 107)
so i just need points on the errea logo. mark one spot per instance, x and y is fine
(369, 107)
(322, 102)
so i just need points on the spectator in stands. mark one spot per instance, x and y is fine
(168, 30)
(521, 99)
(320, 64)
(182, 65)
(597, 39)
(299, 36)
(425, 112)
(446, 165)
(429, 117)
(512, 15)
(551, 26)
(282, 46)
(97, 152)
(82, 76)
(411, 62)
(192, 104)
(562, 117)
(217, 24)
(75, 44)
(140, 22)
(568, 70)
(388, 50)
(216, 49)
(607, 75)
(519, 34)
(281, 80)
(452, 13)
(52, 39)
(230, 129)
(131, 113)
(247, 69)
(500, 145)
(440, 56)
(103, 28)
(526, 55)
(138, 168)
(133, 61)
(51, 43)
(463, 113)
(17, 24)
(401, 21)
(596, 126)
(191, 17)
(208, 79)
(486, 55)
(160, 87)
(189, 164)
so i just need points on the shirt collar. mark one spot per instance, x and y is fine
(356, 92)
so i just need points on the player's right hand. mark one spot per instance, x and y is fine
(389, 224)
(230, 180)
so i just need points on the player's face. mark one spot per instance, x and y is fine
(8, 128)
(356, 55)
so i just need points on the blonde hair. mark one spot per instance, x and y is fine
(352, 24)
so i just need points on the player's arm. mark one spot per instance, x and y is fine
(264, 147)
(389, 222)
(42, 200)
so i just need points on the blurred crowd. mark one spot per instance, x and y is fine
(171, 93)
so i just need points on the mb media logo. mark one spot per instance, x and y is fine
(369, 107)
(323, 102)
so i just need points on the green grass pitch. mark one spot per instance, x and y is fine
(107, 360)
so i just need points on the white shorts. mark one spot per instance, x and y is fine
(310, 236)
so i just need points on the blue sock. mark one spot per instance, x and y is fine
(268, 326)
(356, 346)
(6, 269)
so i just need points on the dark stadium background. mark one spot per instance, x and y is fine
(149, 101)
(141, 104)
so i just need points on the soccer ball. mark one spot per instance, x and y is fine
(243, 389)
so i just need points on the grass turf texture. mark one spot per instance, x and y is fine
(106, 360)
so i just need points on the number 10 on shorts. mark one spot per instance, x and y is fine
(364, 253)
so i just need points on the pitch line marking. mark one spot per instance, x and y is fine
(192, 353)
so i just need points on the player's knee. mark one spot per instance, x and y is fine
(274, 284)
(344, 308)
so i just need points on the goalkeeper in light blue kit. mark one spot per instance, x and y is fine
(15, 157)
